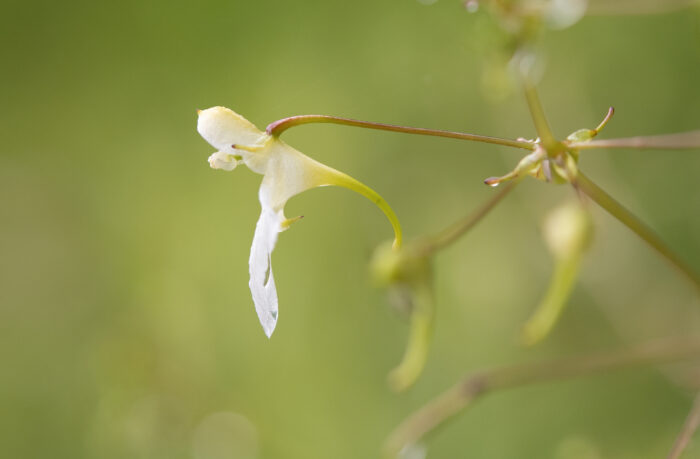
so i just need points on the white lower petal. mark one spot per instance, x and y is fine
(262, 282)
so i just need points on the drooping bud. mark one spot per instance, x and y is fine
(406, 273)
(567, 232)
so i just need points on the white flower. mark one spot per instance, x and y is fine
(286, 172)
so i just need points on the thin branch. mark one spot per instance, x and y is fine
(457, 229)
(689, 428)
(680, 141)
(462, 395)
(279, 126)
(616, 209)
(635, 7)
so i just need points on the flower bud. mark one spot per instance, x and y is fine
(567, 230)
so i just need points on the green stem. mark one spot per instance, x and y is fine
(689, 428)
(539, 119)
(455, 400)
(457, 229)
(680, 141)
(613, 207)
(279, 126)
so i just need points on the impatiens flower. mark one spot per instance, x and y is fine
(286, 172)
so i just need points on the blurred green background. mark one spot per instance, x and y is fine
(126, 324)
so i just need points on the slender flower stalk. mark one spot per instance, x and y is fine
(457, 229)
(616, 209)
(461, 396)
(680, 141)
(279, 126)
